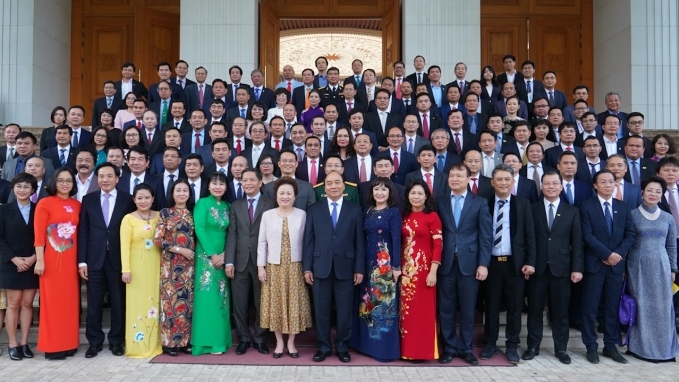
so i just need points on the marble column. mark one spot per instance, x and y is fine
(217, 34)
(635, 54)
(35, 59)
(445, 32)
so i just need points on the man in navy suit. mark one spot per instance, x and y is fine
(427, 172)
(567, 133)
(198, 137)
(359, 168)
(403, 161)
(259, 93)
(138, 109)
(164, 72)
(473, 120)
(428, 119)
(523, 187)
(554, 97)
(81, 137)
(299, 93)
(508, 91)
(445, 158)
(151, 136)
(163, 104)
(334, 262)
(624, 191)
(468, 240)
(638, 169)
(609, 141)
(461, 140)
(608, 233)
(529, 88)
(194, 91)
(510, 74)
(356, 122)
(235, 75)
(380, 121)
(258, 148)
(128, 84)
(310, 169)
(612, 100)
(108, 101)
(99, 259)
(574, 191)
(63, 154)
(395, 105)
(181, 69)
(453, 101)
(580, 92)
(138, 160)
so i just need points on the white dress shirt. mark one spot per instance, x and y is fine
(166, 179)
(219, 168)
(611, 146)
(610, 204)
(556, 207)
(83, 187)
(505, 247)
(530, 170)
(133, 177)
(125, 87)
(339, 207)
(510, 77)
(368, 165)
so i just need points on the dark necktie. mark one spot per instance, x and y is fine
(251, 210)
(169, 185)
(593, 167)
(498, 220)
(609, 219)
(239, 192)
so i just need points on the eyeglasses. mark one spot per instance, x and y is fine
(266, 164)
(581, 108)
(635, 123)
(64, 181)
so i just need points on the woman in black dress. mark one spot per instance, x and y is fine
(18, 260)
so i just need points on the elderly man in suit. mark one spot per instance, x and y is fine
(412, 141)
(468, 239)
(512, 262)
(333, 263)
(287, 162)
(99, 259)
(608, 234)
(241, 258)
(36, 167)
(558, 262)
(200, 92)
(612, 100)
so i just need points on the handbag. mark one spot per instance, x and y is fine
(627, 311)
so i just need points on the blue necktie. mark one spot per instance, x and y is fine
(457, 210)
(593, 167)
(334, 215)
(472, 124)
(62, 157)
(440, 163)
(136, 182)
(635, 174)
(358, 81)
(75, 139)
(609, 219)
(498, 147)
(239, 192)
(410, 146)
(242, 113)
(256, 94)
(569, 194)
(528, 86)
(108, 102)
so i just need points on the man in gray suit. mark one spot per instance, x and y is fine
(287, 162)
(26, 144)
(241, 257)
(411, 141)
(36, 167)
(491, 158)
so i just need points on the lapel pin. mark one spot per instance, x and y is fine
(615, 212)
(558, 214)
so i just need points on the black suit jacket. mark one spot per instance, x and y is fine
(440, 182)
(177, 94)
(188, 140)
(229, 90)
(298, 99)
(537, 88)
(604, 151)
(343, 113)
(302, 171)
(266, 97)
(481, 122)
(100, 105)
(648, 146)
(53, 154)
(469, 142)
(407, 163)
(83, 139)
(16, 237)
(247, 153)
(552, 155)
(184, 127)
(558, 249)
(191, 92)
(413, 79)
(527, 189)
(521, 229)
(285, 142)
(485, 188)
(502, 78)
(155, 181)
(138, 89)
(601, 118)
(372, 123)
(94, 236)
(435, 122)
(646, 168)
(352, 173)
(397, 107)
(157, 145)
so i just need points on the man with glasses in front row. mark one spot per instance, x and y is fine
(635, 124)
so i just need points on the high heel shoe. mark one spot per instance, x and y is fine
(277, 355)
(26, 351)
(293, 355)
(15, 353)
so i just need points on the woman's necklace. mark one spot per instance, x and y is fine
(148, 218)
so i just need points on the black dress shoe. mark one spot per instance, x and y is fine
(116, 349)
(469, 358)
(242, 347)
(489, 351)
(446, 357)
(592, 356)
(15, 353)
(343, 356)
(294, 355)
(173, 352)
(563, 357)
(614, 355)
(262, 348)
(512, 356)
(277, 355)
(530, 354)
(92, 351)
(26, 351)
(320, 356)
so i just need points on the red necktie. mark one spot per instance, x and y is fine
(313, 176)
(475, 188)
(200, 95)
(139, 125)
(150, 137)
(196, 145)
(398, 88)
(568, 149)
(395, 162)
(425, 126)
(238, 147)
(362, 172)
(289, 88)
(278, 144)
(356, 135)
(429, 183)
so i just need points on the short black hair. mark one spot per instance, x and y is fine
(240, 70)
(54, 111)
(127, 65)
(181, 61)
(601, 172)
(88, 150)
(253, 170)
(510, 56)
(106, 164)
(139, 150)
(666, 161)
(194, 156)
(218, 141)
(170, 202)
(27, 134)
(552, 172)
(64, 127)
(426, 148)
(654, 179)
(24, 177)
(52, 185)
(163, 63)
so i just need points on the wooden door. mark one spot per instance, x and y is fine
(157, 40)
(391, 36)
(269, 42)
(501, 36)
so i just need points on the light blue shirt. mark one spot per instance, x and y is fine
(254, 202)
(461, 203)
(293, 85)
(505, 248)
(437, 93)
(25, 210)
(322, 81)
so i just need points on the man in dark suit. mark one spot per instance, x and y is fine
(26, 144)
(299, 94)
(380, 121)
(420, 76)
(445, 158)
(608, 234)
(287, 162)
(478, 184)
(624, 191)
(348, 104)
(80, 138)
(310, 169)
(403, 162)
(277, 139)
(359, 168)
(171, 138)
(558, 262)
(164, 72)
(427, 119)
(63, 154)
(241, 259)
(242, 107)
(612, 100)
(8, 151)
(554, 97)
(592, 163)
(635, 125)
(529, 88)
(218, 131)
(567, 133)
(151, 136)
(427, 172)
(574, 191)
(99, 259)
(198, 135)
(162, 105)
(638, 168)
(178, 120)
(108, 101)
(200, 93)
(609, 141)
(138, 160)
(510, 74)
(461, 140)
(412, 141)
(138, 108)
(235, 75)
(395, 104)
(193, 167)
(333, 263)
(512, 262)
(181, 69)
(259, 93)
(473, 121)
(453, 101)
(523, 187)
(467, 239)
(259, 148)
(128, 84)
(36, 167)
(509, 91)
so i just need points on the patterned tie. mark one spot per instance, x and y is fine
(536, 177)
(569, 194)
(222, 170)
(200, 95)
(458, 146)
(104, 208)
(475, 187)
(528, 87)
(425, 126)
(239, 191)
(395, 162)
(524, 158)
(370, 94)
(609, 219)
(108, 102)
(457, 209)
(313, 176)
(350, 105)
(429, 182)
(362, 172)
(551, 216)
(334, 215)
(196, 144)
(498, 223)
(251, 210)
(10, 153)
(256, 152)
(62, 157)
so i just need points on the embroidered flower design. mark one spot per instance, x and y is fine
(68, 209)
(139, 336)
(146, 227)
(153, 312)
(65, 230)
(149, 243)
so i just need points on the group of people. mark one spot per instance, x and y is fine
(399, 209)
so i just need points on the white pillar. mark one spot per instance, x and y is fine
(35, 59)
(635, 54)
(445, 32)
(217, 34)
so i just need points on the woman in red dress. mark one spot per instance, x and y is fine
(56, 219)
(421, 247)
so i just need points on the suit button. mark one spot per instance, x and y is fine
(333, 236)
(550, 238)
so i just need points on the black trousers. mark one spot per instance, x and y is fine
(343, 291)
(457, 292)
(241, 285)
(605, 285)
(99, 282)
(504, 286)
(558, 289)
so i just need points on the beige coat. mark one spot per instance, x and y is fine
(271, 233)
